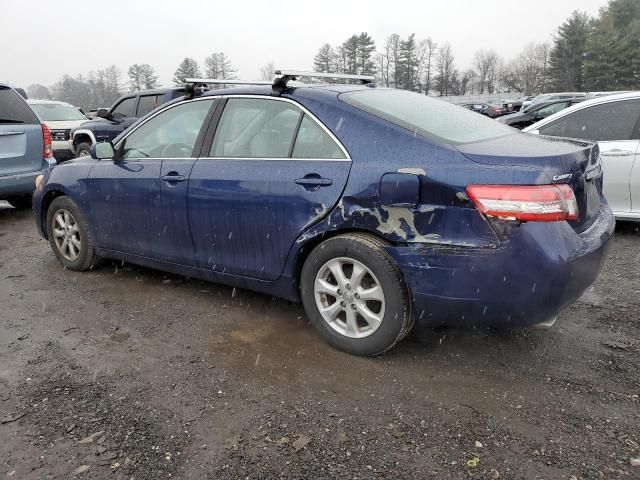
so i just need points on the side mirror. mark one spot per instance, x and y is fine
(102, 150)
(102, 113)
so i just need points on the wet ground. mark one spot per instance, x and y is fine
(126, 372)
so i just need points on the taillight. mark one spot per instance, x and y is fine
(46, 140)
(541, 203)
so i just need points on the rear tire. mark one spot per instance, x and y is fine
(83, 149)
(22, 202)
(70, 236)
(366, 311)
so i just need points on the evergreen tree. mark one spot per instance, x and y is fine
(188, 68)
(322, 62)
(142, 77)
(408, 64)
(567, 54)
(350, 52)
(613, 48)
(148, 77)
(365, 48)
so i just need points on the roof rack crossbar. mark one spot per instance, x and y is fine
(294, 74)
(222, 81)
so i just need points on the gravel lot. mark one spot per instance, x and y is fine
(126, 372)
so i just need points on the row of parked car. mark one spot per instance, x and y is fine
(376, 208)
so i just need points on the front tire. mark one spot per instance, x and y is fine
(69, 235)
(83, 149)
(355, 296)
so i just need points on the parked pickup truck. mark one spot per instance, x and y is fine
(123, 113)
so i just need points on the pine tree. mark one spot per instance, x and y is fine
(188, 68)
(613, 48)
(322, 62)
(566, 60)
(218, 65)
(408, 70)
(148, 76)
(350, 52)
(365, 48)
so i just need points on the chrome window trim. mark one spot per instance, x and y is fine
(268, 159)
(162, 110)
(305, 111)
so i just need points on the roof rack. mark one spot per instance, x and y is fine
(197, 86)
(280, 83)
(222, 81)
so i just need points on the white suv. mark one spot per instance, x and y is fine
(61, 118)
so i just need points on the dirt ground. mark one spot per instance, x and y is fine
(126, 372)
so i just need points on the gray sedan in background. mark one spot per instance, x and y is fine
(614, 122)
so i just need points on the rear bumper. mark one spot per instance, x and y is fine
(541, 269)
(22, 183)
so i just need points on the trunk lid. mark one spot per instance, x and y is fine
(559, 160)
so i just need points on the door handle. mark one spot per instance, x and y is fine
(617, 153)
(314, 181)
(6, 134)
(173, 177)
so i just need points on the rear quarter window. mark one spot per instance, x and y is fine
(13, 109)
(435, 119)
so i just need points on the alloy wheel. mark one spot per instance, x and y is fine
(66, 235)
(349, 297)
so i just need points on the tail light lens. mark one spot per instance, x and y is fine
(538, 203)
(46, 140)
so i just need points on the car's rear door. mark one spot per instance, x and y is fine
(138, 201)
(21, 144)
(614, 126)
(270, 172)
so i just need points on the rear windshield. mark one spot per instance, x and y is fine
(13, 109)
(55, 112)
(429, 117)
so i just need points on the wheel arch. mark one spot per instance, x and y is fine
(307, 245)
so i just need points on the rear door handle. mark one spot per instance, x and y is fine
(617, 153)
(173, 177)
(6, 134)
(313, 181)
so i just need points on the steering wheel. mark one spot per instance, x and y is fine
(179, 150)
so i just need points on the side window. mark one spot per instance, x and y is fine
(170, 134)
(255, 128)
(146, 104)
(607, 122)
(124, 108)
(551, 109)
(313, 142)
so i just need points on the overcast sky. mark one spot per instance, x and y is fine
(42, 40)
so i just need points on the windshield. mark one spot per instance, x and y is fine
(431, 118)
(56, 112)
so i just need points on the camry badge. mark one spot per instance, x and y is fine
(565, 176)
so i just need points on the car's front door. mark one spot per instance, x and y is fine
(614, 125)
(272, 170)
(138, 200)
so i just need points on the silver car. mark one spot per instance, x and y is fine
(614, 122)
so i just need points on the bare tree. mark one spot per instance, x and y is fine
(268, 71)
(465, 81)
(430, 50)
(485, 62)
(528, 72)
(393, 45)
(445, 68)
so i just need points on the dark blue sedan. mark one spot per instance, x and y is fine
(375, 207)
